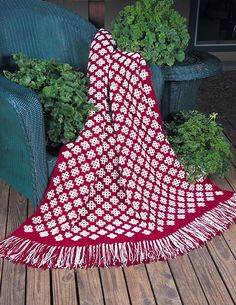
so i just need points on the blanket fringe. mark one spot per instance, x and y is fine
(192, 236)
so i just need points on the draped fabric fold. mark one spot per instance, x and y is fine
(118, 195)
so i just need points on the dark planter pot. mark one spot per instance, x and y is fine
(183, 80)
(158, 81)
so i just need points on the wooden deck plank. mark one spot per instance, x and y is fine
(231, 177)
(211, 281)
(233, 149)
(14, 275)
(115, 290)
(229, 235)
(139, 286)
(225, 262)
(231, 120)
(163, 284)
(4, 196)
(89, 287)
(214, 278)
(230, 133)
(64, 287)
(38, 281)
(228, 129)
(187, 282)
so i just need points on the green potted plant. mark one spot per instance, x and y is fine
(62, 92)
(199, 143)
(160, 32)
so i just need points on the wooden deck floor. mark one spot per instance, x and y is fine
(205, 276)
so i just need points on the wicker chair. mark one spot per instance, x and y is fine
(38, 29)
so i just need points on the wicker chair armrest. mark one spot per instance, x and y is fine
(22, 139)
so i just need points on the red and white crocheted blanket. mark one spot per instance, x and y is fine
(118, 194)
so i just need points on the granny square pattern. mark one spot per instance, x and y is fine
(118, 195)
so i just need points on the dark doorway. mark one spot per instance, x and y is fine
(213, 23)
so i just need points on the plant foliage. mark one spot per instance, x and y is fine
(62, 91)
(153, 27)
(199, 143)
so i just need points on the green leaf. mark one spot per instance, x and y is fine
(48, 91)
(180, 56)
(62, 92)
(198, 142)
(154, 28)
